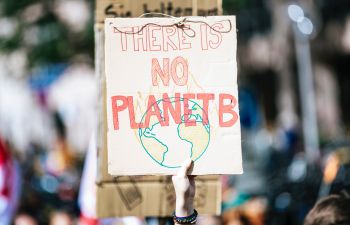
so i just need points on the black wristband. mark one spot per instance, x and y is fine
(191, 219)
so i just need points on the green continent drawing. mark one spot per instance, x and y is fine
(170, 145)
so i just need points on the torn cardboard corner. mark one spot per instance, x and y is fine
(128, 197)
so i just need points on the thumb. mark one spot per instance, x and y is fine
(185, 168)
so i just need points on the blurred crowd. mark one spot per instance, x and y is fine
(48, 112)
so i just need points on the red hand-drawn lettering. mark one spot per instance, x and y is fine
(154, 44)
(179, 80)
(153, 110)
(163, 74)
(173, 106)
(214, 44)
(117, 108)
(168, 32)
(140, 37)
(133, 123)
(187, 111)
(123, 36)
(183, 42)
(168, 107)
(179, 71)
(204, 36)
(223, 109)
(206, 97)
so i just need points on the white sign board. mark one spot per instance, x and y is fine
(172, 94)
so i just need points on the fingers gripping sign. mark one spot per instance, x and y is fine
(184, 189)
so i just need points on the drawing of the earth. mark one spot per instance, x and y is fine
(170, 145)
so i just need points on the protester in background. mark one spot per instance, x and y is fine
(9, 185)
(24, 219)
(60, 159)
(251, 212)
(336, 173)
(61, 218)
(331, 210)
(61, 168)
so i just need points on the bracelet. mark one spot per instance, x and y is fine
(191, 219)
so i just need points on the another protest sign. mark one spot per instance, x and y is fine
(153, 196)
(131, 8)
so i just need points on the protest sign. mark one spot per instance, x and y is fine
(172, 94)
(153, 196)
(143, 195)
(132, 8)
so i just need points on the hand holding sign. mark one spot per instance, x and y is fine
(184, 189)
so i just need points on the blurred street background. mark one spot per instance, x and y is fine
(294, 80)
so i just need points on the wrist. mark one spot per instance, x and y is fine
(187, 220)
(183, 208)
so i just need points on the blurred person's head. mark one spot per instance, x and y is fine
(330, 210)
(61, 218)
(235, 216)
(24, 219)
(334, 161)
(209, 220)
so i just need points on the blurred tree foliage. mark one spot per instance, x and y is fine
(231, 5)
(55, 42)
(252, 16)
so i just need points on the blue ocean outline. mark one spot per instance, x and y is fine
(167, 148)
(173, 99)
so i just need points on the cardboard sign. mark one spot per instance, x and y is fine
(172, 94)
(153, 196)
(132, 8)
